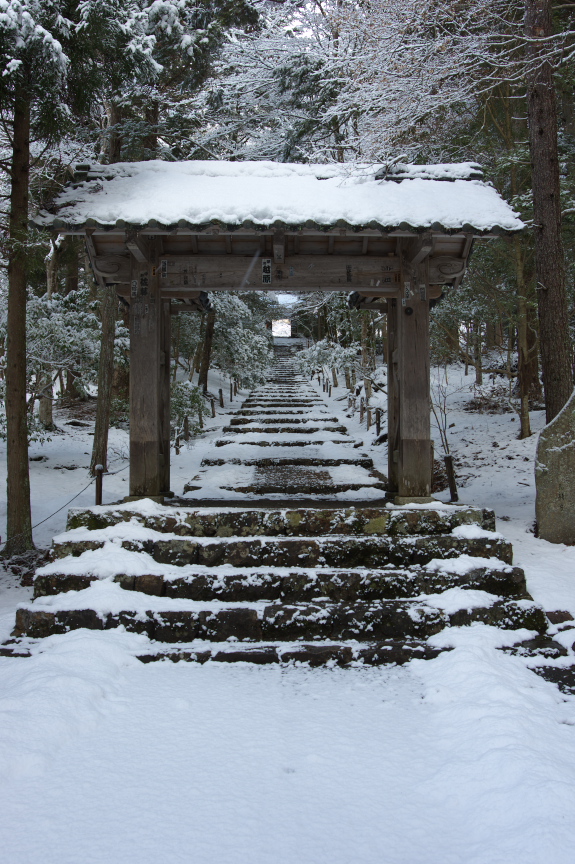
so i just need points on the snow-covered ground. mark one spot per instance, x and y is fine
(465, 759)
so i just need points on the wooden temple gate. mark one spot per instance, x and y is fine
(164, 270)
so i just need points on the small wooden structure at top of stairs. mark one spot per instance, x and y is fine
(392, 236)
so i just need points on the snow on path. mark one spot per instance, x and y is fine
(467, 759)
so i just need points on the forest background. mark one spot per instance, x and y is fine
(376, 82)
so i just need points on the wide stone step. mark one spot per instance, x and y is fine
(286, 442)
(334, 551)
(390, 652)
(303, 461)
(221, 522)
(289, 586)
(283, 430)
(297, 489)
(392, 619)
(288, 404)
(289, 412)
(285, 419)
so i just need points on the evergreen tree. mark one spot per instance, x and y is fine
(55, 55)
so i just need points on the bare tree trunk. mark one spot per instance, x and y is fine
(365, 356)
(19, 521)
(477, 353)
(115, 137)
(525, 367)
(72, 265)
(152, 115)
(556, 351)
(72, 390)
(207, 351)
(105, 378)
(52, 261)
(46, 401)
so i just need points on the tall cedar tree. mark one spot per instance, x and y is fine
(55, 56)
(556, 354)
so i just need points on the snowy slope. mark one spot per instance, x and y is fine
(465, 759)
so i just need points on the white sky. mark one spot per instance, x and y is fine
(281, 327)
(286, 299)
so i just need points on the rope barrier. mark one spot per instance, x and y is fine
(93, 480)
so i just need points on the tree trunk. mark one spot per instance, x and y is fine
(477, 346)
(52, 261)
(105, 378)
(556, 353)
(525, 367)
(365, 358)
(152, 115)
(72, 390)
(19, 520)
(72, 266)
(207, 352)
(46, 401)
(115, 137)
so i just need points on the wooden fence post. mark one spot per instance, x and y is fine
(99, 469)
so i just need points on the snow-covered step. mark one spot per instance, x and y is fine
(136, 571)
(104, 605)
(331, 551)
(362, 461)
(390, 652)
(285, 429)
(245, 522)
(285, 419)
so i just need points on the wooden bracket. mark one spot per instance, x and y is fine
(419, 250)
(138, 247)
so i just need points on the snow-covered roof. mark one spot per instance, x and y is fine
(436, 197)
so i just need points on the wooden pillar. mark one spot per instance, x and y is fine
(165, 345)
(146, 465)
(414, 464)
(392, 397)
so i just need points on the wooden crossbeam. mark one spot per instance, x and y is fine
(139, 247)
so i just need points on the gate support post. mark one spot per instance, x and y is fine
(414, 450)
(165, 344)
(392, 397)
(147, 477)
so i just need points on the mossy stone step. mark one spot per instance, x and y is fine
(296, 586)
(303, 461)
(310, 487)
(265, 442)
(333, 551)
(319, 620)
(283, 430)
(211, 522)
(274, 412)
(242, 421)
(387, 653)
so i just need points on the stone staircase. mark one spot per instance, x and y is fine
(311, 454)
(339, 585)
(326, 583)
